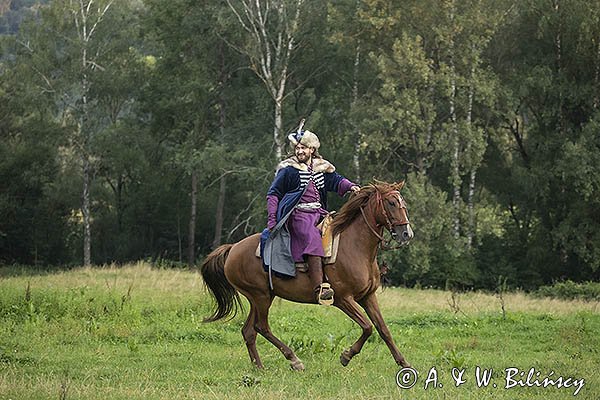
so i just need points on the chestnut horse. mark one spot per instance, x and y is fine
(233, 268)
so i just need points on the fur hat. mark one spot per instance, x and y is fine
(307, 138)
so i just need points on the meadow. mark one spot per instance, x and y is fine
(136, 332)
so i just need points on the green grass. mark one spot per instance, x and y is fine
(137, 333)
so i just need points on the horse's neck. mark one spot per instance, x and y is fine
(362, 238)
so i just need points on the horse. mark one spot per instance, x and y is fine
(234, 268)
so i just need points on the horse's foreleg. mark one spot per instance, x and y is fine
(249, 333)
(262, 326)
(371, 306)
(351, 309)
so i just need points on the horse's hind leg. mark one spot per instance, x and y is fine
(249, 333)
(263, 302)
(371, 306)
(350, 308)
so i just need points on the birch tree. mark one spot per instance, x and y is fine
(272, 36)
(463, 39)
(65, 52)
(86, 16)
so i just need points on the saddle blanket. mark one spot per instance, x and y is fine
(330, 244)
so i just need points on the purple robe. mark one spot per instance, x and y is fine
(302, 224)
(305, 237)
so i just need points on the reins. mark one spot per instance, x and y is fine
(380, 237)
(383, 244)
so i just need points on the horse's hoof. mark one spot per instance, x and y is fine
(345, 357)
(297, 365)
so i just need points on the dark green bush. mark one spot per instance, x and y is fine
(569, 290)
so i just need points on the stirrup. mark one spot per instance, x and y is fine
(322, 297)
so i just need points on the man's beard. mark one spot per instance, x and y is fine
(303, 158)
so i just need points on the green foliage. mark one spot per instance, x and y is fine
(569, 290)
(488, 109)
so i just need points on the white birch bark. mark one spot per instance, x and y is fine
(455, 163)
(272, 49)
(472, 185)
(473, 164)
(358, 133)
(85, 211)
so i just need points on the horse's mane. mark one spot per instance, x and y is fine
(351, 209)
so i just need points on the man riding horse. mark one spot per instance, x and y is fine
(297, 201)
(234, 269)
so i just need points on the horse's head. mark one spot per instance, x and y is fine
(391, 211)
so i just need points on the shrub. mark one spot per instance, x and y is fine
(589, 291)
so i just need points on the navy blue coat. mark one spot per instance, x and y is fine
(288, 187)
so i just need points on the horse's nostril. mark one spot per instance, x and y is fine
(405, 235)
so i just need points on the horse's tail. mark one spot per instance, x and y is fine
(213, 273)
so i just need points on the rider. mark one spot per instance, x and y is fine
(298, 194)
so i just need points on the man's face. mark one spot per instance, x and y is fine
(303, 153)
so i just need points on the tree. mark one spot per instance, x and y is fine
(67, 52)
(433, 101)
(34, 215)
(272, 29)
(549, 100)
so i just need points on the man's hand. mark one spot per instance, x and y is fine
(355, 188)
(271, 222)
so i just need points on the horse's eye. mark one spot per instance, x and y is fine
(391, 203)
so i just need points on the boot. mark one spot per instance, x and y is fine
(323, 291)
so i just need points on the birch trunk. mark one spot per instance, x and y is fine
(455, 177)
(456, 184)
(85, 210)
(473, 163)
(358, 133)
(471, 233)
(86, 28)
(277, 139)
(85, 135)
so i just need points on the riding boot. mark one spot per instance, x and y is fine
(323, 291)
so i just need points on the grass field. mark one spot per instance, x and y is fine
(136, 333)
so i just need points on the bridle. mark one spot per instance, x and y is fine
(388, 222)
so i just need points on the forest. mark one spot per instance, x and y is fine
(150, 129)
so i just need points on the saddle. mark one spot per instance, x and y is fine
(330, 244)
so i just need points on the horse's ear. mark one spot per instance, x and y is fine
(398, 185)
